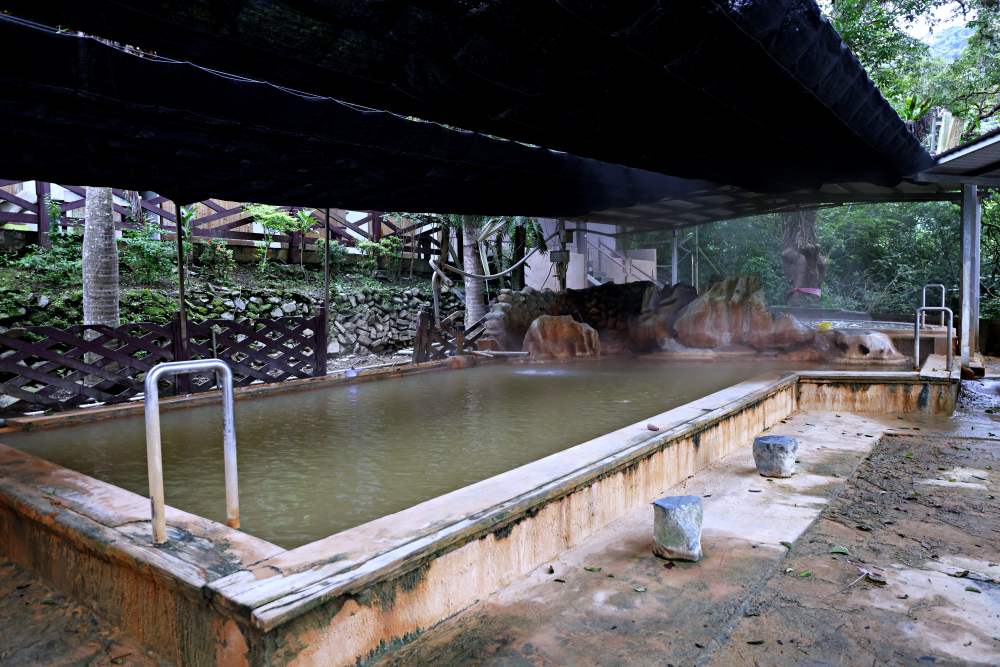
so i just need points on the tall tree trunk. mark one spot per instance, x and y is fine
(100, 260)
(517, 275)
(801, 260)
(475, 306)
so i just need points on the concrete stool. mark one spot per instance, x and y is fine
(775, 455)
(677, 527)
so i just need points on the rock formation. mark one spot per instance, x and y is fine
(732, 313)
(607, 308)
(654, 330)
(560, 337)
(858, 347)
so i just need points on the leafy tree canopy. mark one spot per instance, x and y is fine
(913, 76)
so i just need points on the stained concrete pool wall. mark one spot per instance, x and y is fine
(218, 596)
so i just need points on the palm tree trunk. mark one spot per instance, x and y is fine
(100, 260)
(475, 306)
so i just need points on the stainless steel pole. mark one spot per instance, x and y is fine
(154, 454)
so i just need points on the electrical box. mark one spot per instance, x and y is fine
(559, 256)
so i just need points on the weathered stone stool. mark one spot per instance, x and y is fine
(775, 455)
(677, 527)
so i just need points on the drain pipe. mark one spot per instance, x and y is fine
(154, 454)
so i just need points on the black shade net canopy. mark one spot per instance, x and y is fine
(601, 105)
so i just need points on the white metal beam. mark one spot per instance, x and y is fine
(970, 270)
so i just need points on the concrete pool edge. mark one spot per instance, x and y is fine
(318, 604)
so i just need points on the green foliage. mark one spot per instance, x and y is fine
(990, 248)
(187, 218)
(59, 265)
(216, 261)
(145, 258)
(53, 208)
(274, 220)
(336, 251)
(959, 72)
(147, 305)
(879, 255)
(385, 253)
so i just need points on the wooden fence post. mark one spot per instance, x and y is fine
(42, 191)
(319, 328)
(420, 338)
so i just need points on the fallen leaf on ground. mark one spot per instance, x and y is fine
(876, 579)
(839, 550)
(592, 568)
(639, 588)
(786, 544)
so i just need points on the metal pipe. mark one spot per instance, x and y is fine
(154, 455)
(916, 333)
(923, 301)
(673, 261)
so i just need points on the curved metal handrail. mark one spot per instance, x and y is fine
(154, 457)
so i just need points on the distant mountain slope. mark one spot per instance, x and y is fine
(949, 42)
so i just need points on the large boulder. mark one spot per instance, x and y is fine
(732, 313)
(654, 330)
(560, 337)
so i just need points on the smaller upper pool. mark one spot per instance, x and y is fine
(312, 463)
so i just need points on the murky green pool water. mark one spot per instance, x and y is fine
(315, 462)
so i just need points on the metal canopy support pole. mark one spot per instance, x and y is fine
(976, 275)
(673, 261)
(696, 278)
(326, 267)
(970, 225)
(181, 344)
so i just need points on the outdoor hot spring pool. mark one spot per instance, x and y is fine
(313, 463)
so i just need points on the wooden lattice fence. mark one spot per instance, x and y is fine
(45, 368)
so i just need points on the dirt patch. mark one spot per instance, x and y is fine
(40, 626)
(921, 517)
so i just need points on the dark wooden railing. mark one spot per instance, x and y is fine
(45, 368)
(213, 219)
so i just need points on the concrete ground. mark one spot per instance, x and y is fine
(883, 549)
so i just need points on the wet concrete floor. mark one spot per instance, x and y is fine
(41, 626)
(783, 580)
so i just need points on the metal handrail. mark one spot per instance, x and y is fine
(916, 333)
(154, 456)
(923, 300)
(623, 263)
